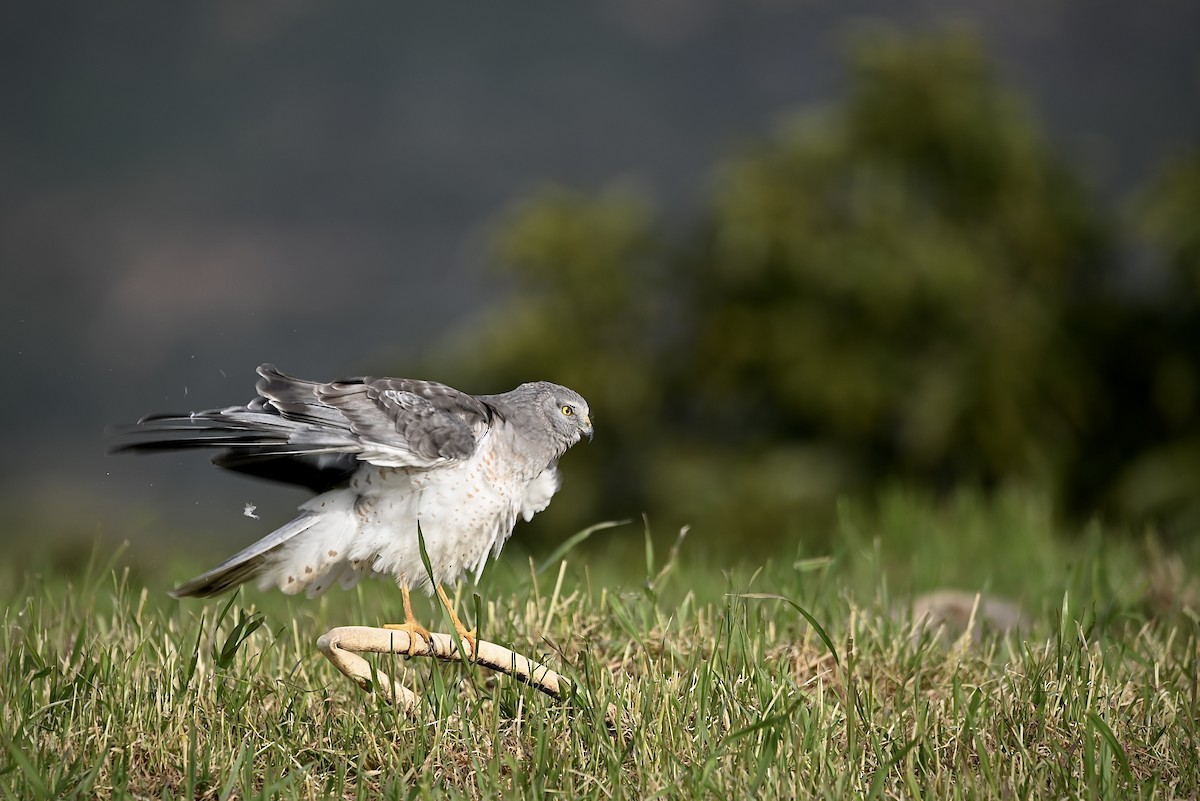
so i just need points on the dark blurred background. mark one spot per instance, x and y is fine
(789, 250)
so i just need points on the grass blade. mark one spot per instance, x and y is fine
(812, 621)
(1110, 738)
(575, 539)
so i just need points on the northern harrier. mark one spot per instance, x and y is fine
(385, 456)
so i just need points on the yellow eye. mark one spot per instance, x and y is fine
(568, 411)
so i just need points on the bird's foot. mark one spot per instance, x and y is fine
(414, 630)
(465, 634)
(410, 623)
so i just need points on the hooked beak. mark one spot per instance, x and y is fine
(587, 426)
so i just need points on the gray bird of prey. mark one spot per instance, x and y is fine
(384, 457)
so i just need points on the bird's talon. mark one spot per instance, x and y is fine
(470, 639)
(414, 630)
(410, 623)
(465, 634)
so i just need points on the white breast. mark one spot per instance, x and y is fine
(465, 510)
(539, 492)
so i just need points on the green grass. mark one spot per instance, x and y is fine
(112, 689)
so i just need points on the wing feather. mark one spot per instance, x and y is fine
(426, 420)
(397, 422)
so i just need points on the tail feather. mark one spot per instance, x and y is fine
(243, 565)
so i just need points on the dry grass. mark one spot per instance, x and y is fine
(112, 690)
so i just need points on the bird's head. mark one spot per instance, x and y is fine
(567, 412)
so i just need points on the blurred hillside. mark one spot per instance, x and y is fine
(909, 286)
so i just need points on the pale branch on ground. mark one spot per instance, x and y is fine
(342, 647)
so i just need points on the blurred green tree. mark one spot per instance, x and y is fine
(1170, 220)
(892, 279)
(1147, 437)
(891, 289)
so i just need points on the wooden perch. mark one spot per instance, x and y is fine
(343, 645)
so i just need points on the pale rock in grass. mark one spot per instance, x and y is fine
(951, 613)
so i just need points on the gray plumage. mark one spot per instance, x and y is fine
(384, 455)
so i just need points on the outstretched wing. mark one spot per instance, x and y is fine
(403, 422)
(312, 433)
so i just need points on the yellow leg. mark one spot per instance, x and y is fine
(410, 623)
(468, 635)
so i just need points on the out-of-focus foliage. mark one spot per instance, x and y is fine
(910, 286)
(892, 279)
(1171, 219)
(1150, 350)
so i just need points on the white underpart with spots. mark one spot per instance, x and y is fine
(466, 512)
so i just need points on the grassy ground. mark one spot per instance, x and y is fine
(111, 689)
